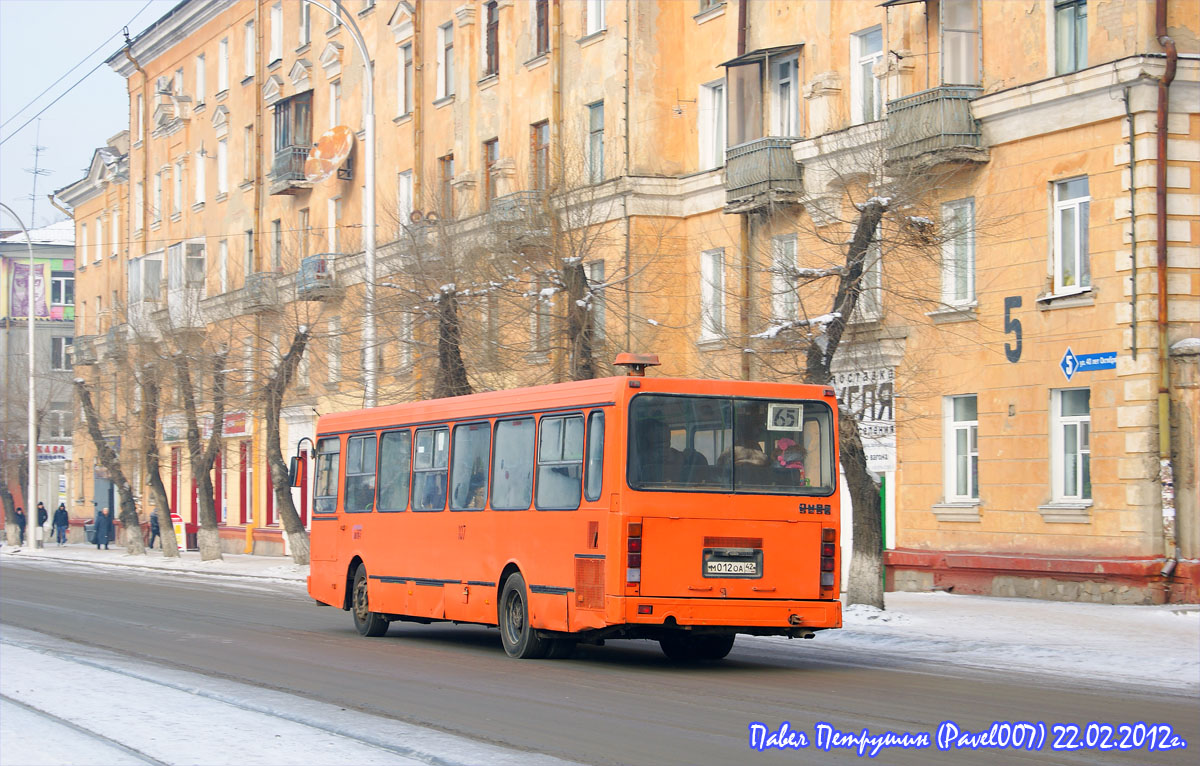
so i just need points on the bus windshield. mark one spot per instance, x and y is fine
(724, 444)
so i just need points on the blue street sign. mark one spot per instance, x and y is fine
(1072, 363)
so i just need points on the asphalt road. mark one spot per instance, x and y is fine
(621, 703)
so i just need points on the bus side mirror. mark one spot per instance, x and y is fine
(295, 473)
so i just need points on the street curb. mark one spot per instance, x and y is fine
(187, 569)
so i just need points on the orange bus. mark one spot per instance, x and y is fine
(685, 511)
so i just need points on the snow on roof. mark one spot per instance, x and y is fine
(60, 233)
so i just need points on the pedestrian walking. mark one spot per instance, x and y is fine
(42, 514)
(154, 530)
(20, 514)
(61, 522)
(104, 529)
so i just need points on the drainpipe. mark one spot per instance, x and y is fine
(744, 224)
(145, 143)
(1166, 470)
(60, 208)
(418, 113)
(255, 235)
(1133, 292)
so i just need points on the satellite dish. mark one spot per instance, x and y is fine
(332, 149)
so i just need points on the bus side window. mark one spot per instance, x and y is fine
(429, 469)
(326, 484)
(360, 474)
(512, 465)
(594, 475)
(395, 456)
(469, 474)
(560, 462)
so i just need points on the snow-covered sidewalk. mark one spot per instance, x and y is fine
(1070, 640)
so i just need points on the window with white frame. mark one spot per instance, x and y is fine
(114, 232)
(404, 195)
(223, 265)
(277, 244)
(305, 24)
(869, 307)
(83, 240)
(333, 357)
(785, 101)
(200, 80)
(1072, 263)
(1070, 36)
(1071, 444)
(141, 125)
(404, 80)
(333, 210)
(961, 448)
(248, 253)
(866, 91)
(98, 245)
(785, 298)
(158, 186)
(177, 189)
(445, 60)
(62, 288)
(595, 278)
(539, 317)
(223, 65)
(712, 294)
(958, 252)
(304, 231)
(248, 153)
(222, 166)
(596, 142)
(58, 354)
(960, 42)
(711, 120)
(276, 50)
(335, 102)
(58, 417)
(248, 49)
(198, 178)
(177, 88)
(594, 16)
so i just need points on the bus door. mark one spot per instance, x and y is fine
(358, 501)
(324, 534)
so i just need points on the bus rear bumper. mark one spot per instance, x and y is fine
(765, 616)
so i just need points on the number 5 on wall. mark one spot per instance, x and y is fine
(1014, 326)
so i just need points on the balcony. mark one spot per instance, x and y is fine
(83, 350)
(520, 218)
(935, 126)
(287, 171)
(314, 280)
(259, 293)
(761, 172)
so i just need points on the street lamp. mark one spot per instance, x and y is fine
(30, 509)
(369, 358)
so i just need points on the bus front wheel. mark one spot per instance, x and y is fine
(685, 647)
(368, 623)
(520, 640)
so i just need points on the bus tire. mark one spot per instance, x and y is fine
(520, 640)
(685, 647)
(369, 623)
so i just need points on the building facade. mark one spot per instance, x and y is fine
(1020, 342)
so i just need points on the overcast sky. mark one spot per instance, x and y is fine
(40, 40)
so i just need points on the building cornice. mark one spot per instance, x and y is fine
(174, 27)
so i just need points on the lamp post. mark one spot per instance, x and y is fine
(30, 508)
(370, 359)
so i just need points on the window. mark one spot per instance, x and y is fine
(712, 125)
(276, 51)
(866, 93)
(708, 5)
(360, 474)
(198, 178)
(248, 153)
(62, 288)
(785, 298)
(158, 183)
(277, 244)
(596, 142)
(58, 354)
(869, 307)
(222, 166)
(200, 79)
(98, 245)
(326, 485)
(539, 317)
(305, 230)
(960, 42)
(595, 280)
(83, 240)
(594, 17)
(139, 197)
(404, 195)
(293, 123)
(141, 125)
(395, 456)
(491, 49)
(445, 61)
(145, 279)
(305, 24)
(491, 151)
(223, 65)
(58, 419)
(248, 50)
(512, 465)
(958, 252)
(248, 253)
(593, 480)
(469, 472)
(223, 264)
(785, 102)
(177, 86)
(335, 102)
(404, 80)
(560, 462)
(541, 27)
(962, 449)
(712, 294)
(333, 209)
(1072, 262)
(540, 138)
(177, 189)
(1071, 443)
(1070, 35)
(114, 230)
(446, 173)
(333, 364)
(429, 469)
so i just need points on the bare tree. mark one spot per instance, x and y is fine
(201, 456)
(112, 464)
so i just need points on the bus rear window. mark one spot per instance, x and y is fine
(712, 444)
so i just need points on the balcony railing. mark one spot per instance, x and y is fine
(259, 292)
(761, 171)
(83, 349)
(287, 171)
(315, 277)
(935, 122)
(521, 215)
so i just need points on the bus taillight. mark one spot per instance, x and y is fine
(633, 554)
(828, 556)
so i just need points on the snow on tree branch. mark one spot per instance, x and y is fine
(817, 322)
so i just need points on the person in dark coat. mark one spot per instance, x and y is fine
(104, 529)
(154, 529)
(43, 514)
(20, 514)
(61, 522)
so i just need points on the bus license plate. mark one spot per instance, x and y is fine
(733, 562)
(732, 567)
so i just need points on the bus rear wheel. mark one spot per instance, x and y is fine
(685, 647)
(520, 640)
(368, 623)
